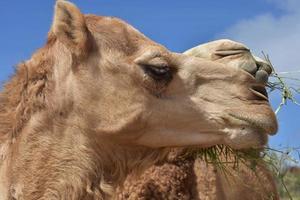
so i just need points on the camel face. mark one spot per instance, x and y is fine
(131, 90)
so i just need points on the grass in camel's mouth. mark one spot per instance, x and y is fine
(222, 156)
(231, 162)
(278, 83)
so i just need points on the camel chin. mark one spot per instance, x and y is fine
(246, 138)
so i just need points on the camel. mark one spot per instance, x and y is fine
(101, 100)
(192, 178)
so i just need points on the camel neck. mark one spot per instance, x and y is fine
(67, 164)
(73, 162)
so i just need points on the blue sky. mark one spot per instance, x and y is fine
(269, 25)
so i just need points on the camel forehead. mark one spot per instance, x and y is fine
(116, 33)
(114, 23)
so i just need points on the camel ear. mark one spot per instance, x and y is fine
(70, 28)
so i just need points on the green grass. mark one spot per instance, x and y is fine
(278, 83)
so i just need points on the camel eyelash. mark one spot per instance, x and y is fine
(158, 73)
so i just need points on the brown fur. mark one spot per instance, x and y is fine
(86, 109)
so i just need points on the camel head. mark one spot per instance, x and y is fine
(122, 86)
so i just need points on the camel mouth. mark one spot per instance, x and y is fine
(259, 91)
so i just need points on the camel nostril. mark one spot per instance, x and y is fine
(260, 91)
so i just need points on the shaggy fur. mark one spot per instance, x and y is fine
(95, 104)
(173, 179)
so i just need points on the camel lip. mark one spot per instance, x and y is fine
(259, 91)
(264, 127)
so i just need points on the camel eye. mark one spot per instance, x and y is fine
(158, 73)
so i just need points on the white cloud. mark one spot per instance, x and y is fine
(278, 36)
